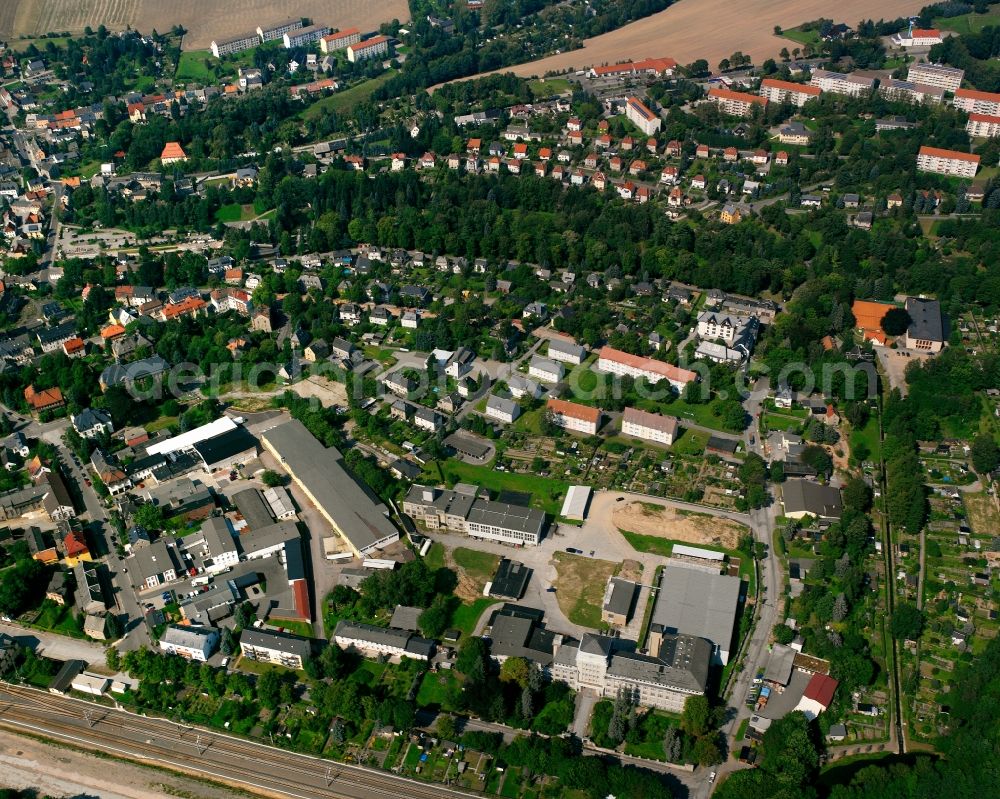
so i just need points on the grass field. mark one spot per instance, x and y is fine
(800, 36)
(347, 99)
(234, 212)
(580, 587)
(479, 566)
(546, 87)
(465, 616)
(968, 23)
(197, 66)
(983, 516)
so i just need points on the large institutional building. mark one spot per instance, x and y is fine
(464, 511)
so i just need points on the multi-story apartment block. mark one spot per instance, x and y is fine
(737, 104)
(271, 646)
(947, 162)
(302, 37)
(622, 363)
(650, 426)
(462, 510)
(572, 416)
(839, 83)
(193, 643)
(381, 641)
(939, 75)
(369, 48)
(893, 89)
(976, 102)
(339, 40)
(235, 44)
(273, 32)
(983, 125)
(641, 116)
(780, 91)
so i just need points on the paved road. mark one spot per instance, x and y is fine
(203, 752)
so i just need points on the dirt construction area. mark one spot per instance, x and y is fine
(678, 525)
(204, 20)
(713, 30)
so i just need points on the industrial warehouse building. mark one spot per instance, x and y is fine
(361, 521)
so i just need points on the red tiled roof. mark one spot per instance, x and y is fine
(75, 544)
(869, 315)
(937, 152)
(789, 86)
(574, 410)
(821, 689)
(666, 370)
(46, 398)
(975, 94)
(727, 94)
(172, 149)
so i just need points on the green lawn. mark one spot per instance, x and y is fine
(434, 559)
(347, 99)
(968, 23)
(701, 414)
(547, 493)
(801, 36)
(867, 439)
(660, 546)
(465, 616)
(197, 66)
(690, 442)
(549, 86)
(302, 628)
(234, 212)
(435, 687)
(480, 566)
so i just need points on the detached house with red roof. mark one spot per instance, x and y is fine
(49, 399)
(818, 695)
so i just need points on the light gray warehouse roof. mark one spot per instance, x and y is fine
(261, 538)
(253, 508)
(509, 517)
(779, 666)
(693, 602)
(320, 472)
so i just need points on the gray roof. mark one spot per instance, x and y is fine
(693, 602)
(217, 535)
(89, 418)
(926, 316)
(779, 666)
(507, 516)
(158, 557)
(517, 636)
(252, 507)
(118, 373)
(822, 501)
(281, 642)
(385, 636)
(187, 636)
(451, 503)
(503, 404)
(510, 580)
(405, 617)
(261, 538)
(320, 471)
(682, 662)
(619, 596)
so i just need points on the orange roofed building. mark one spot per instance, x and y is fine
(48, 399)
(868, 318)
(573, 416)
(172, 153)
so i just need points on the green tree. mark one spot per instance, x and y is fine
(907, 622)
(896, 321)
(272, 479)
(985, 454)
(697, 716)
(149, 516)
(515, 670)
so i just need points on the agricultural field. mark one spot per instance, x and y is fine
(710, 30)
(202, 21)
(968, 23)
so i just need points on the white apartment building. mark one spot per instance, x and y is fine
(839, 83)
(976, 102)
(780, 91)
(566, 351)
(641, 116)
(302, 37)
(273, 32)
(237, 44)
(271, 646)
(650, 426)
(374, 642)
(983, 125)
(714, 326)
(369, 48)
(572, 416)
(736, 104)
(617, 362)
(947, 162)
(339, 40)
(544, 369)
(939, 75)
(502, 409)
(893, 89)
(193, 643)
